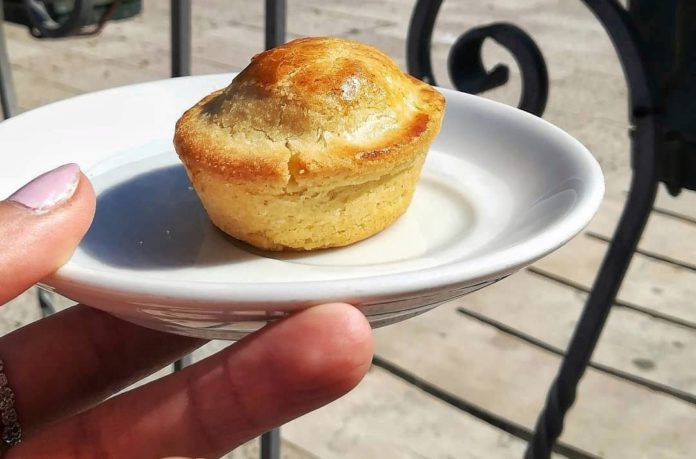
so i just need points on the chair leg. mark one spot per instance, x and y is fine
(181, 37)
(275, 35)
(275, 22)
(8, 105)
(180, 11)
(7, 94)
(644, 115)
(46, 303)
(270, 445)
(633, 219)
(183, 362)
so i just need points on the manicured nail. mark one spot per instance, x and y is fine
(48, 190)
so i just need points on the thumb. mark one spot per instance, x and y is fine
(40, 227)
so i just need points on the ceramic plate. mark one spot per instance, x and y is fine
(500, 189)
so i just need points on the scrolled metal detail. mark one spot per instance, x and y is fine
(469, 75)
(466, 68)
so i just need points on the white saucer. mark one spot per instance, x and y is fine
(500, 189)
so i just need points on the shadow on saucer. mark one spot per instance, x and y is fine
(155, 220)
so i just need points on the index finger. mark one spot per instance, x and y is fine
(34, 244)
(207, 409)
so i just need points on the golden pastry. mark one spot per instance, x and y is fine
(317, 143)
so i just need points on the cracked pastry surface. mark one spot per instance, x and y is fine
(317, 143)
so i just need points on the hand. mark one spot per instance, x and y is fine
(62, 368)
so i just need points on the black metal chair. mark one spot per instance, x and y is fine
(656, 44)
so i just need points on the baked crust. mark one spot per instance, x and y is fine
(313, 113)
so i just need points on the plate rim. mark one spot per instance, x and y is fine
(439, 277)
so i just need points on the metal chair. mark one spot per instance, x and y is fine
(663, 147)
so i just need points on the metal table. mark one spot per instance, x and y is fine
(656, 44)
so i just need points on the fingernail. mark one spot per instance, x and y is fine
(48, 190)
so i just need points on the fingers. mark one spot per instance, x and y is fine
(76, 358)
(275, 375)
(40, 226)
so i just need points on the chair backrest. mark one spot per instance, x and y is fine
(668, 30)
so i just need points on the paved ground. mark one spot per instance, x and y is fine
(495, 351)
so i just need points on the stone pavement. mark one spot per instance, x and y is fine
(494, 351)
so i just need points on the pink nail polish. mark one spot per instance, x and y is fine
(48, 190)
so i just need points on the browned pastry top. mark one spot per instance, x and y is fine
(311, 110)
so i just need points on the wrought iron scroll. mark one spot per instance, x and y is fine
(465, 64)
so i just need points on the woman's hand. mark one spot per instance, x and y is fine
(62, 368)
